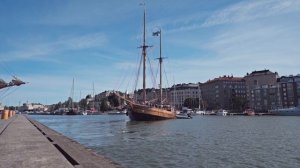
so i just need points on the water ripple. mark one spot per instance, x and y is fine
(204, 141)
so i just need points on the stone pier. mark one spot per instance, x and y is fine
(27, 143)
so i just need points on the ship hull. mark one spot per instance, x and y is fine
(280, 113)
(137, 112)
(71, 112)
(294, 111)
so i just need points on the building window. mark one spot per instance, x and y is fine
(255, 82)
(265, 102)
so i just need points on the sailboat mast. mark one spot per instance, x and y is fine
(144, 58)
(158, 33)
(160, 67)
(199, 96)
(72, 94)
(93, 96)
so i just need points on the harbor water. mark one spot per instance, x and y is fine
(204, 141)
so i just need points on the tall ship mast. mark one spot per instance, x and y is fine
(144, 111)
(71, 110)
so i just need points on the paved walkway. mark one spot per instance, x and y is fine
(22, 145)
(28, 143)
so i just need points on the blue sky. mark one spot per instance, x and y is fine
(48, 43)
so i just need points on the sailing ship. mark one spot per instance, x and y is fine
(144, 111)
(71, 110)
(199, 111)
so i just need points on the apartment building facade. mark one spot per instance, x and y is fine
(266, 97)
(256, 80)
(289, 90)
(180, 92)
(224, 92)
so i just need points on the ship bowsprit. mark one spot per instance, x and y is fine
(13, 82)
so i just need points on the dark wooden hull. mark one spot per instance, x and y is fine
(72, 112)
(137, 112)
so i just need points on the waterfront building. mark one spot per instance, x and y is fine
(33, 107)
(92, 103)
(256, 80)
(180, 92)
(225, 92)
(290, 90)
(266, 97)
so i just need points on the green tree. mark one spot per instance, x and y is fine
(104, 106)
(239, 104)
(191, 103)
(113, 100)
(83, 104)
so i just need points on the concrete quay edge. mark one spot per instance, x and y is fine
(42, 139)
(77, 154)
(22, 145)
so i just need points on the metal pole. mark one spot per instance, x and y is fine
(160, 64)
(144, 59)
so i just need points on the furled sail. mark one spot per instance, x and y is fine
(16, 82)
(3, 84)
(13, 82)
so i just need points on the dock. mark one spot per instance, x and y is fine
(25, 142)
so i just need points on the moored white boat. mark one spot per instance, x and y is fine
(221, 112)
(200, 112)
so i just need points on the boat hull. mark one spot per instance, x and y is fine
(249, 112)
(137, 112)
(222, 113)
(71, 112)
(294, 111)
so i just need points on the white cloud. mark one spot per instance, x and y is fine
(82, 42)
(240, 47)
(83, 13)
(42, 50)
(243, 48)
(240, 12)
(250, 10)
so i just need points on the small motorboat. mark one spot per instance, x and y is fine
(182, 116)
(221, 112)
(249, 112)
